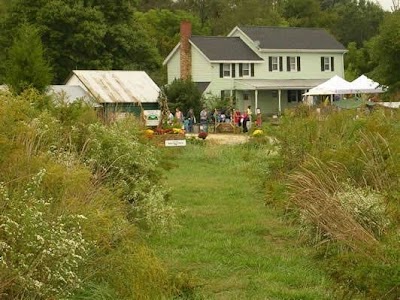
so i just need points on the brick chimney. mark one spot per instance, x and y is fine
(185, 54)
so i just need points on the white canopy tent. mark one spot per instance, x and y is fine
(363, 84)
(334, 86)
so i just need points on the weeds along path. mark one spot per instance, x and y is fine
(230, 245)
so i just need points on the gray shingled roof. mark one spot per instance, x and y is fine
(202, 86)
(224, 48)
(292, 38)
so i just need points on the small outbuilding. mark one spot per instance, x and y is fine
(69, 93)
(118, 93)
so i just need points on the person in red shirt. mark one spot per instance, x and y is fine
(258, 117)
(236, 117)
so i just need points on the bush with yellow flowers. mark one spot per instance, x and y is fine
(257, 133)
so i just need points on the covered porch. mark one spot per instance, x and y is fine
(271, 96)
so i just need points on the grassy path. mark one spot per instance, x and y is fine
(230, 244)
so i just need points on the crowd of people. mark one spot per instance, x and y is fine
(240, 119)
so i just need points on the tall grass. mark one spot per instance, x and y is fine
(317, 192)
(75, 233)
(341, 172)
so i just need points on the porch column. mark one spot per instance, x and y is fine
(279, 101)
(256, 99)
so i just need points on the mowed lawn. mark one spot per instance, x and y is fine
(229, 243)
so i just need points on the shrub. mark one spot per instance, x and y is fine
(257, 133)
(129, 167)
(183, 94)
(366, 206)
(90, 170)
(343, 183)
(202, 135)
(41, 252)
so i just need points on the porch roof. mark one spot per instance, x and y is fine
(276, 84)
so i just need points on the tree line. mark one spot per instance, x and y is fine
(139, 34)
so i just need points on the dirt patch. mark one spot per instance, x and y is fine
(225, 139)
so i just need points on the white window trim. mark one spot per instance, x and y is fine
(294, 63)
(248, 70)
(230, 71)
(277, 63)
(329, 69)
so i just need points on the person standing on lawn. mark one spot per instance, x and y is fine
(192, 119)
(249, 117)
(258, 117)
(178, 116)
(203, 120)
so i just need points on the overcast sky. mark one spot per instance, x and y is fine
(386, 4)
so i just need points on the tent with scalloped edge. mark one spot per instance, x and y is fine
(363, 85)
(334, 86)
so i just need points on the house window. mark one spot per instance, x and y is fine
(294, 95)
(275, 63)
(327, 64)
(293, 63)
(227, 70)
(246, 70)
(246, 96)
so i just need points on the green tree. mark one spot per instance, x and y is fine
(358, 60)
(183, 94)
(256, 12)
(385, 52)
(302, 13)
(4, 4)
(87, 34)
(357, 21)
(206, 10)
(329, 4)
(115, 11)
(26, 66)
(74, 37)
(146, 5)
(223, 15)
(162, 25)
